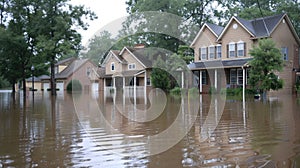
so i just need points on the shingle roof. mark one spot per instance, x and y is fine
(261, 27)
(65, 61)
(141, 55)
(217, 29)
(219, 64)
(71, 68)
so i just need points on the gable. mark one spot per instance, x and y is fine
(131, 59)
(206, 29)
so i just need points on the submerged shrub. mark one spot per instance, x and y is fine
(74, 85)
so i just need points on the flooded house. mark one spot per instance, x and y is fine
(221, 54)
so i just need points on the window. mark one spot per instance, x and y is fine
(112, 66)
(240, 76)
(212, 52)
(241, 49)
(203, 53)
(131, 66)
(284, 52)
(204, 77)
(88, 71)
(219, 51)
(233, 76)
(231, 49)
(148, 82)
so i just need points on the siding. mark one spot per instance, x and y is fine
(235, 35)
(206, 38)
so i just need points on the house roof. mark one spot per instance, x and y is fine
(69, 70)
(140, 55)
(219, 64)
(261, 27)
(65, 61)
(215, 29)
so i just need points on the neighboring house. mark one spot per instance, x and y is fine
(127, 69)
(37, 82)
(226, 49)
(80, 69)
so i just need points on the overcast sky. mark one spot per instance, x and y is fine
(107, 12)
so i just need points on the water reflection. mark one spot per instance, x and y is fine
(88, 130)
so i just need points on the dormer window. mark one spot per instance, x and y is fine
(112, 66)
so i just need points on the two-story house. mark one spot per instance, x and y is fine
(126, 69)
(222, 53)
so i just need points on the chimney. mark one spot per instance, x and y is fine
(139, 46)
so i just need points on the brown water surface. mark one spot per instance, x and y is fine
(71, 131)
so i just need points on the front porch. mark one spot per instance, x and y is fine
(132, 83)
(217, 75)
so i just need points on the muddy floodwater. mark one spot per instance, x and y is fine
(115, 130)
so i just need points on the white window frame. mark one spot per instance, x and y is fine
(131, 66)
(112, 66)
(203, 53)
(212, 52)
(219, 51)
(285, 53)
(241, 49)
(231, 49)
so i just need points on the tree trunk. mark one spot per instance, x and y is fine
(24, 87)
(52, 78)
(13, 87)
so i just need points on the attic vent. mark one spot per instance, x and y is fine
(283, 21)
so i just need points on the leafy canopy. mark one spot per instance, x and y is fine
(267, 61)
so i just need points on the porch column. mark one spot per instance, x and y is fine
(244, 83)
(145, 87)
(200, 81)
(104, 86)
(244, 98)
(182, 79)
(216, 79)
(124, 84)
(114, 83)
(134, 85)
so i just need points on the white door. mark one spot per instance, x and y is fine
(46, 86)
(95, 87)
(60, 86)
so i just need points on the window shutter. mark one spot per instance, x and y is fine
(207, 48)
(216, 55)
(227, 50)
(200, 53)
(245, 49)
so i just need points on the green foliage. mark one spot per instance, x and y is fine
(99, 46)
(266, 62)
(212, 90)
(186, 53)
(298, 85)
(159, 76)
(74, 85)
(175, 91)
(3, 83)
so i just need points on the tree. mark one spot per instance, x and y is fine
(99, 46)
(190, 17)
(267, 61)
(159, 76)
(56, 34)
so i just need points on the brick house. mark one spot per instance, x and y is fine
(222, 53)
(80, 69)
(128, 69)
